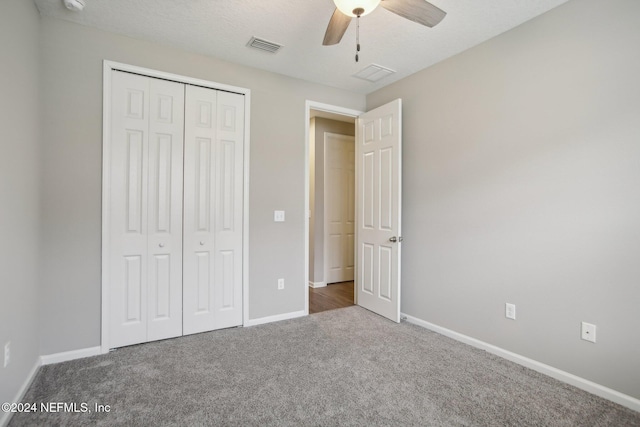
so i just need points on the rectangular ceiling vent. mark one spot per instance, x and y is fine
(264, 45)
(373, 73)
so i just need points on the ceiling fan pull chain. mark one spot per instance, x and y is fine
(357, 36)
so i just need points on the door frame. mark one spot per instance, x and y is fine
(108, 68)
(319, 106)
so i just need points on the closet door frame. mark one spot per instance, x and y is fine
(108, 68)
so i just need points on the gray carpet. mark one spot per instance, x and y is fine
(344, 367)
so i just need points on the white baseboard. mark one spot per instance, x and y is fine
(317, 284)
(276, 318)
(49, 359)
(574, 380)
(5, 417)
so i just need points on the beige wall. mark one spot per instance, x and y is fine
(19, 193)
(320, 125)
(521, 184)
(72, 107)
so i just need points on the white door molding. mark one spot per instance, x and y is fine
(108, 67)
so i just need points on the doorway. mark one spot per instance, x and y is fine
(378, 194)
(331, 208)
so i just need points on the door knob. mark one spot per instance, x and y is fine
(201, 242)
(161, 245)
(393, 239)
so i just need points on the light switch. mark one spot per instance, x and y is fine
(278, 216)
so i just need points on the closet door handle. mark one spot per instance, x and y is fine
(201, 242)
(161, 245)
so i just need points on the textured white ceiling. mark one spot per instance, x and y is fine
(222, 28)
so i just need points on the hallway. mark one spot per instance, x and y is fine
(336, 295)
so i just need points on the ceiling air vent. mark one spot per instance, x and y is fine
(373, 73)
(264, 45)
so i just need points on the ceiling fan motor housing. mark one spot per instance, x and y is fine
(355, 8)
(74, 5)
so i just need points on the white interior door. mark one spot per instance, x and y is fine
(145, 265)
(213, 183)
(339, 207)
(378, 209)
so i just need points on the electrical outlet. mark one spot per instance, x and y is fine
(510, 311)
(7, 353)
(588, 332)
(280, 284)
(278, 216)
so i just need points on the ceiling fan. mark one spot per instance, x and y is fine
(419, 11)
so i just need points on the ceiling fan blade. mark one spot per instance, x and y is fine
(337, 26)
(419, 11)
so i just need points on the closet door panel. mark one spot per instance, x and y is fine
(229, 197)
(166, 140)
(199, 209)
(145, 210)
(214, 135)
(128, 209)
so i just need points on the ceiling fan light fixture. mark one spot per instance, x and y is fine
(349, 6)
(74, 5)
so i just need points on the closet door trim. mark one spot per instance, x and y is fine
(108, 68)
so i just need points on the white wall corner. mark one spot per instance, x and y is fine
(566, 377)
(5, 417)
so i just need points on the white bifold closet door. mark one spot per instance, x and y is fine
(145, 209)
(214, 139)
(175, 209)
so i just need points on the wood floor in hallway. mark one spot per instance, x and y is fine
(335, 295)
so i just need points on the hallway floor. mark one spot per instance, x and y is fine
(335, 295)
